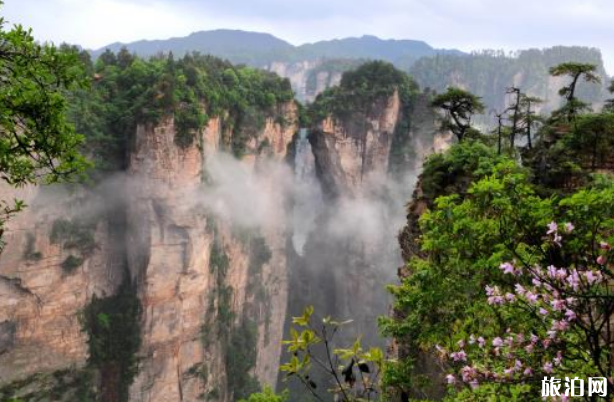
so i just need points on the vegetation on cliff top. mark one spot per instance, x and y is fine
(360, 89)
(128, 91)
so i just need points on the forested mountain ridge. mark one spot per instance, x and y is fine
(313, 67)
(489, 73)
(262, 49)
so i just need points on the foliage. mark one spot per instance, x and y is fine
(114, 338)
(592, 139)
(60, 385)
(452, 172)
(459, 107)
(74, 234)
(353, 371)
(360, 89)
(129, 91)
(71, 263)
(464, 240)
(267, 395)
(37, 143)
(609, 105)
(566, 311)
(241, 354)
(30, 253)
(575, 71)
(487, 74)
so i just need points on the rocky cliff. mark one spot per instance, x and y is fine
(366, 162)
(211, 293)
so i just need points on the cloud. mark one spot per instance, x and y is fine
(464, 24)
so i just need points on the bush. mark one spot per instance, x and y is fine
(71, 263)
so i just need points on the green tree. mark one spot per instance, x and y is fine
(609, 106)
(459, 107)
(267, 395)
(529, 119)
(37, 143)
(575, 71)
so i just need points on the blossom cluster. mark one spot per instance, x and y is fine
(554, 297)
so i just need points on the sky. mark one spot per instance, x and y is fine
(462, 24)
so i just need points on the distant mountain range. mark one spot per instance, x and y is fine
(311, 68)
(262, 49)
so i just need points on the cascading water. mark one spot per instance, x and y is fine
(307, 193)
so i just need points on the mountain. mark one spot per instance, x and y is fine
(261, 49)
(237, 46)
(488, 74)
(402, 53)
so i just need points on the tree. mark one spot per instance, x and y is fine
(609, 106)
(352, 373)
(37, 143)
(528, 118)
(575, 71)
(494, 235)
(459, 106)
(514, 108)
(267, 395)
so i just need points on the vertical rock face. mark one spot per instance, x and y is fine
(351, 152)
(352, 254)
(41, 292)
(197, 279)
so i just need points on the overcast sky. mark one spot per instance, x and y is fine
(462, 24)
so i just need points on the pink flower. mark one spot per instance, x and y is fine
(605, 246)
(528, 371)
(570, 315)
(569, 227)
(574, 280)
(507, 268)
(534, 338)
(496, 300)
(461, 343)
(474, 384)
(552, 227)
(450, 379)
(481, 342)
(510, 297)
(529, 348)
(468, 373)
(532, 297)
(547, 368)
(543, 311)
(497, 342)
(520, 289)
(537, 282)
(459, 356)
(592, 277)
(601, 260)
(557, 239)
(558, 305)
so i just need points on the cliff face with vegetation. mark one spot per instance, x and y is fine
(204, 285)
(133, 288)
(167, 277)
(489, 74)
(367, 149)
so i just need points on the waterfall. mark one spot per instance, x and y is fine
(307, 193)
